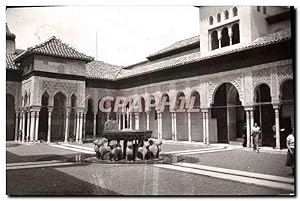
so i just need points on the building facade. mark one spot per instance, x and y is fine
(238, 71)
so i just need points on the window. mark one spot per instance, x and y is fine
(235, 11)
(218, 17)
(211, 20)
(264, 10)
(225, 37)
(226, 14)
(258, 8)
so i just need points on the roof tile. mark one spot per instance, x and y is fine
(102, 70)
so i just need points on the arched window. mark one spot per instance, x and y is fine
(214, 40)
(235, 34)
(225, 37)
(226, 13)
(264, 10)
(235, 11)
(258, 8)
(218, 17)
(211, 20)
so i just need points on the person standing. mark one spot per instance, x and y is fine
(290, 157)
(255, 136)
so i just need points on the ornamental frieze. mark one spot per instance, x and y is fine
(180, 85)
(284, 73)
(262, 76)
(53, 87)
(164, 87)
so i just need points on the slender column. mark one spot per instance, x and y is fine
(277, 124)
(16, 126)
(123, 123)
(219, 38)
(137, 121)
(119, 121)
(49, 124)
(84, 125)
(230, 35)
(77, 127)
(175, 127)
(32, 125)
(172, 124)
(95, 125)
(251, 124)
(28, 126)
(23, 128)
(80, 126)
(204, 127)
(248, 128)
(189, 126)
(148, 120)
(67, 125)
(37, 125)
(130, 121)
(158, 125)
(207, 129)
(107, 116)
(20, 124)
(75, 123)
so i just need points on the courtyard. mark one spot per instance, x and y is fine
(196, 169)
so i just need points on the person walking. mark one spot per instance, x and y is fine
(255, 136)
(290, 157)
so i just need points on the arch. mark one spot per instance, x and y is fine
(235, 33)
(214, 40)
(197, 102)
(258, 8)
(287, 109)
(264, 113)
(43, 117)
(166, 116)
(226, 14)
(211, 20)
(58, 117)
(227, 113)
(180, 101)
(152, 116)
(225, 37)
(10, 117)
(218, 17)
(234, 11)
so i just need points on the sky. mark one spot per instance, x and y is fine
(125, 34)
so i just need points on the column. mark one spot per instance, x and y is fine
(172, 124)
(67, 124)
(137, 121)
(248, 128)
(49, 124)
(230, 35)
(95, 125)
(28, 126)
(277, 124)
(148, 120)
(32, 126)
(84, 125)
(107, 116)
(16, 126)
(75, 123)
(77, 127)
(251, 125)
(36, 125)
(189, 126)
(20, 124)
(80, 126)
(207, 129)
(175, 127)
(219, 38)
(130, 121)
(119, 121)
(158, 125)
(123, 123)
(23, 128)
(204, 127)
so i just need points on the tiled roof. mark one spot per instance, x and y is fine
(55, 47)
(9, 34)
(177, 45)
(10, 59)
(101, 70)
(196, 57)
